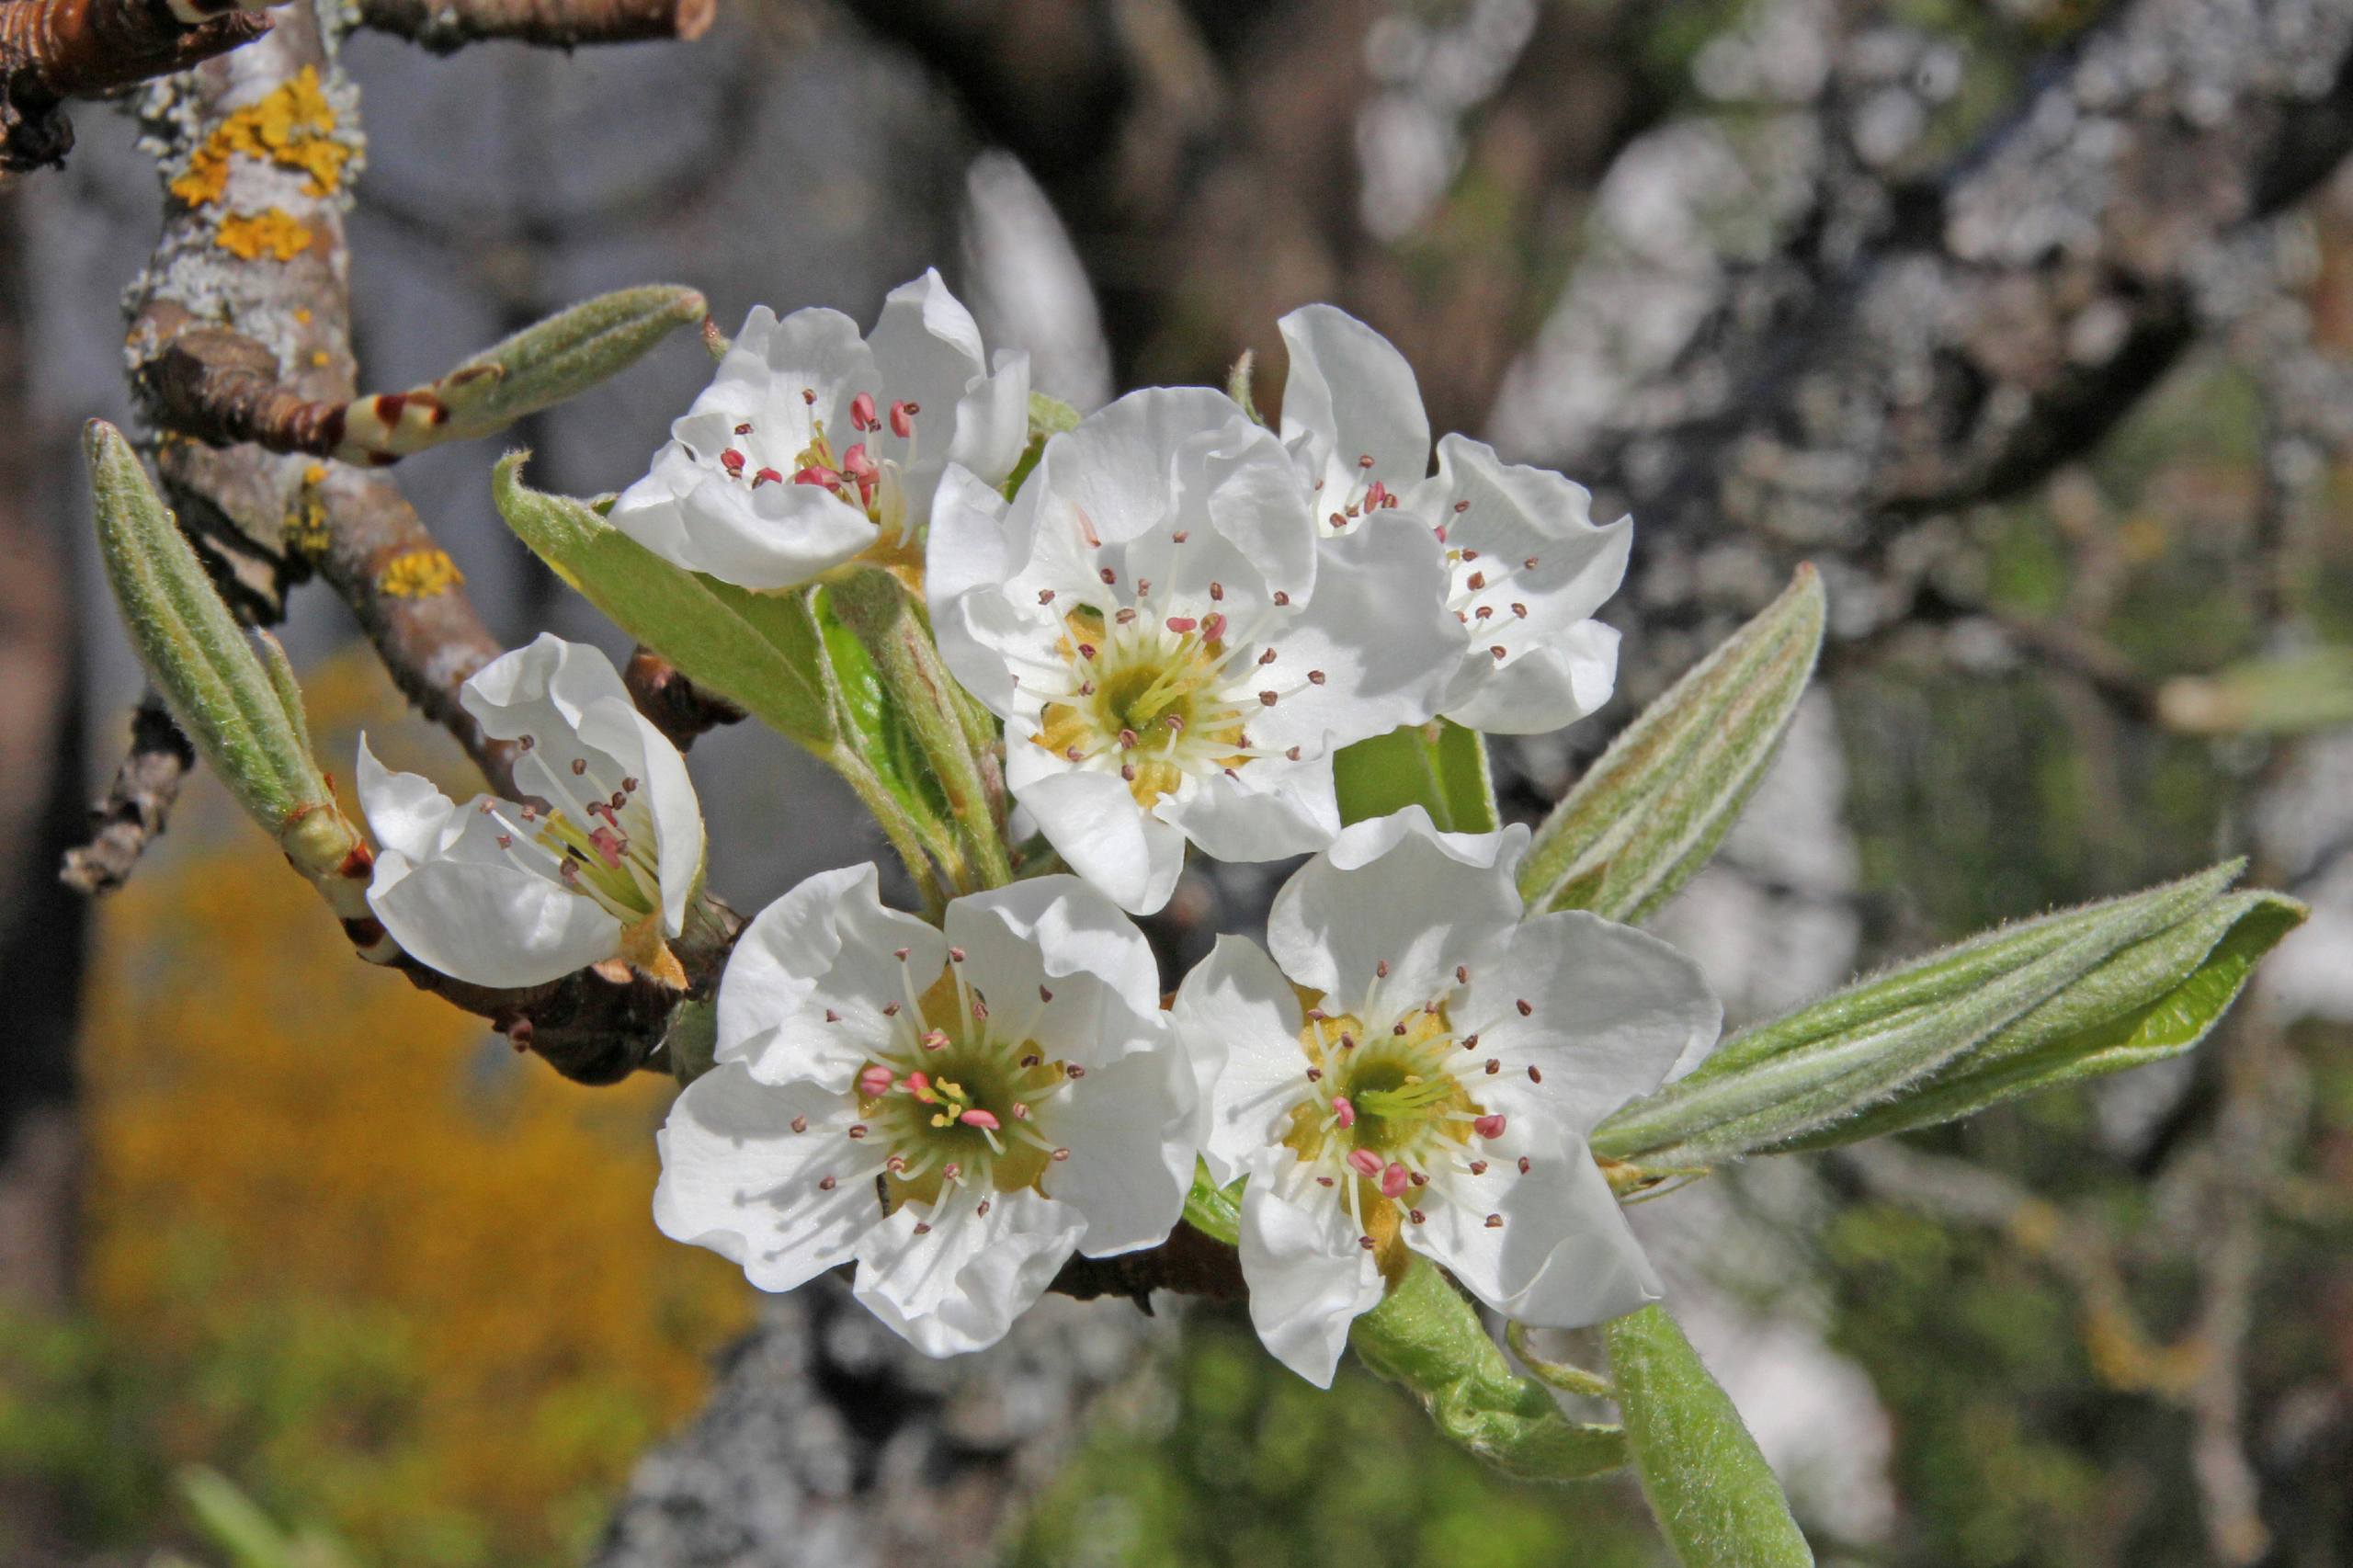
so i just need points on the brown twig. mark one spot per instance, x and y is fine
(54, 50)
(679, 708)
(446, 25)
(136, 804)
(385, 563)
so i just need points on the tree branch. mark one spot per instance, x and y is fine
(54, 50)
(445, 26)
(679, 709)
(136, 805)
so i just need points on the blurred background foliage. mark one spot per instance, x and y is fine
(398, 1287)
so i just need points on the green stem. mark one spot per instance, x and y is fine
(1716, 1499)
(883, 618)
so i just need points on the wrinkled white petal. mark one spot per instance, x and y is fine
(1540, 690)
(1564, 1256)
(694, 515)
(737, 1178)
(1238, 1021)
(406, 811)
(992, 420)
(1395, 890)
(1046, 930)
(959, 1285)
(1095, 826)
(1350, 395)
(542, 690)
(1308, 1278)
(1132, 1144)
(1610, 1011)
(489, 922)
(1273, 808)
(829, 946)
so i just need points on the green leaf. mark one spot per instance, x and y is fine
(1660, 800)
(1715, 1498)
(2308, 690)
(1440, 766)
(759, 651)
(1426, 1336)
(192, 647)
(1049, 417)
(2047, 1001)
(2191, 972)
(541, 366)
(1213, 1210)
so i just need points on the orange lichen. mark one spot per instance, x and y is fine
(273, 232)
(419, 574)
(374, 1267)
(306, 525)
(293, 125)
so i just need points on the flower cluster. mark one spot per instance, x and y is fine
(1180, 619)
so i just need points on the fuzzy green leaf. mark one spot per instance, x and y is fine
(539, 367)
(1213, 1210)
(1715, 1498)
(1653, 808)
(2189, 975)
(759, 651)
(1426, 1336)
(1439, 765)
(246, 723)
(2068, 995)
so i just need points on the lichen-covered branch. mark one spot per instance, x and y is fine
(137, 803)
(447, 26)
(54, 50)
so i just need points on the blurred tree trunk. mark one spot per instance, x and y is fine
(40, 922)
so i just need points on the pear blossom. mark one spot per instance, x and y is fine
(813, 447)
(1527, 566)
(1414, 1070)
(1174, 657)
(596, 863)
(955, 1111)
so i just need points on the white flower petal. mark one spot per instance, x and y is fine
(1113, 474)
(774, 536)
(614, 726)
(540, 690)
(827, 945)
(1130, 1137)
(1564, 1256)
(1377, 630)
(992, 420)
(1396, 891)
(1610, 1012)
(1349, 394)
(1274, 808)
(1540, 690)
(1238, 1021)
(738, 1179)
(1308, 1278)
(489, 922)
(1513, 514)
(959, 1285)
(406, 811)
(1094, 824)
(1047, 929)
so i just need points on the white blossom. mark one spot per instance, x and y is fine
(813, 447)
(1527, 566)
(1174, 655)
(955, 1112)
(597, 862)
(1415, 1070)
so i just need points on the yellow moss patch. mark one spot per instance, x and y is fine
(381, 1271)
(294, 125)
(419, 574)
(272, 231)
